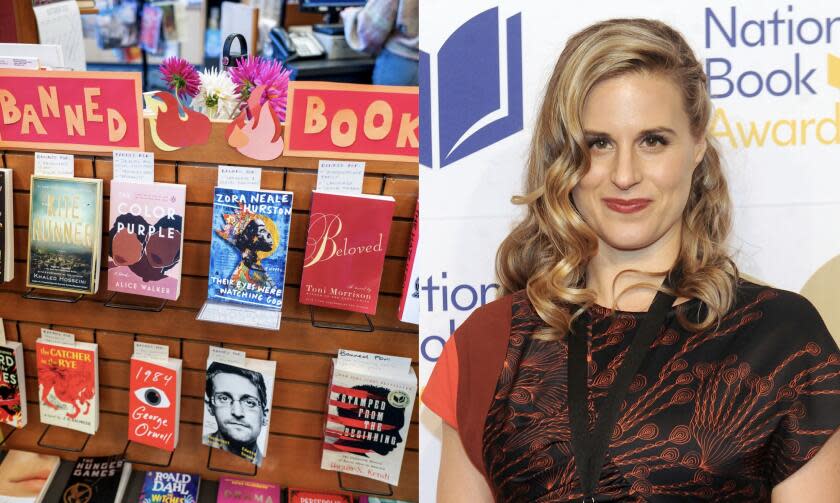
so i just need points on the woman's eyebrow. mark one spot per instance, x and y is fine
(658, 130)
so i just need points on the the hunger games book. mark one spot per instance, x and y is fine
(345, 250)
(65, 234)
(146, 232)
(13, 385)
(154, 403)
(369, 406)
(68, 385)
(94, 479)
(7, 227)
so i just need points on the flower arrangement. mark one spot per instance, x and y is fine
(224, 94)
(251, 72)
(217, 97)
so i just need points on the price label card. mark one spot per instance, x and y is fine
(57, 337)
(19, 62)
(229, 356)
(239, 177)
(153, 352)
(344, 177)
(135, 167)
(385, 362)
(49, 164)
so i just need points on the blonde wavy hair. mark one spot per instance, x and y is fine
(548, 251)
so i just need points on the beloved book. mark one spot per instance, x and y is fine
(13, 385)
(369, 406)
(94, 479)
(345, 250)
(248, 247)
(170, 487)
(409, 310)
(233, 490)
(7, 227)
(68, 385)
(26, 476)
(65, 234)
(307, 496)
(154, 403)
(238, 407)
(146, 231)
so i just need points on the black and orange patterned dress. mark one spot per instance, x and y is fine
(722, 414)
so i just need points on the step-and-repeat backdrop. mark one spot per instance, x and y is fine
(774, 70)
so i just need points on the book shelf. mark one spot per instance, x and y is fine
(301, 350)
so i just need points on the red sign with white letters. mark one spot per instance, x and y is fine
(83, 111)
(352, 121)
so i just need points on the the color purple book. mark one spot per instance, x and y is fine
(146, 231)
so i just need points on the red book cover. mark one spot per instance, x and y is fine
(68, 384)
(153, 403)
(345, 251)
(304, 496)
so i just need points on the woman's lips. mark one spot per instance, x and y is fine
(626, 205)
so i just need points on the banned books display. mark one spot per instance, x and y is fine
(369, 404)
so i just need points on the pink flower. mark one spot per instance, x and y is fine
(252, 72)
(180, 76)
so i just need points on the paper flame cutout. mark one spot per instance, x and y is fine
(256, 132)
(175, 126)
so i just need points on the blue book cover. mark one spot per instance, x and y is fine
(170, 487)
(249, 246)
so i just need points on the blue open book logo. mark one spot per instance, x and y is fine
(477, 105)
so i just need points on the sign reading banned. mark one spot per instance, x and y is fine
(84, 111)
(347, 121)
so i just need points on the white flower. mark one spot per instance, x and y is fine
(217, 97)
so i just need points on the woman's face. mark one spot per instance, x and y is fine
(643, 156)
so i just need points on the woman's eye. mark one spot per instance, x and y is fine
(599, 144)
(654, 140)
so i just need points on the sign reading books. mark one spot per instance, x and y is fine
(85, 111)
(238, 407)
(65, 223)
(369, 406)
(146, 229)
(248, 250)
(68, 384)
(154, 404)
(349, 121)
(345, 250)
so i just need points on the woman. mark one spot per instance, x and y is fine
(628, 361)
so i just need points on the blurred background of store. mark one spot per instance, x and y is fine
(308, 36)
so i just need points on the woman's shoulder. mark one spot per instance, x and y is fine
(776, 304)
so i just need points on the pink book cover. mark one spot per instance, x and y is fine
(146, 231)
(345, 251)
(233, 490)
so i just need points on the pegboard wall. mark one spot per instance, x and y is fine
(301, 350)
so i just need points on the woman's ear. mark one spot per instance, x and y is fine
(699, 150)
